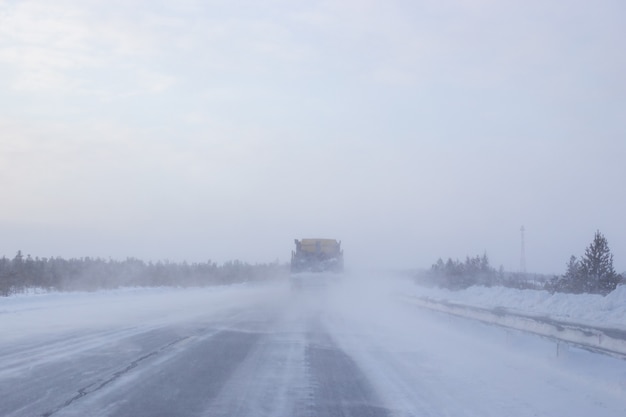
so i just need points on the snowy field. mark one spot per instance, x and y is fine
(351, 348)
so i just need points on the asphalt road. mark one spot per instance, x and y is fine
(266, 359)
(279, 352)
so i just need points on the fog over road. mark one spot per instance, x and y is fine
(349, 349)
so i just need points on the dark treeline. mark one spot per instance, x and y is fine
(593, 273)
(457, 275)
(89, 274)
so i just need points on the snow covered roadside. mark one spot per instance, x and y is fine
(587, 309)
(37, 314)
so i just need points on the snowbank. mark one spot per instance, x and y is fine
(589, 309)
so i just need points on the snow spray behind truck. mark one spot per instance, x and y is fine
(317, 255)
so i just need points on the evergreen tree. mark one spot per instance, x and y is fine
(596, 267)
(572, 281)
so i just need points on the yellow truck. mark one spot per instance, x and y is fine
(317, 255)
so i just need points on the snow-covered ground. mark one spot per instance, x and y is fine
(589, 309)
(437, 365)
(353, 348)
(41, 313)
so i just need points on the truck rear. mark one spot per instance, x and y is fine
(317, 255)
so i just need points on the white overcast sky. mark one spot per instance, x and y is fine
(411, 130)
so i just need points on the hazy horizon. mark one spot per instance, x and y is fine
(410, 130)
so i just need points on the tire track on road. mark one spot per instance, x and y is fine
(82, 392)
(338, 386)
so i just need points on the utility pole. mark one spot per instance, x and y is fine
(522, 261)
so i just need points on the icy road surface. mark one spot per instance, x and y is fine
(351, 349)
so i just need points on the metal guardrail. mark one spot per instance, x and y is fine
(608, 341)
